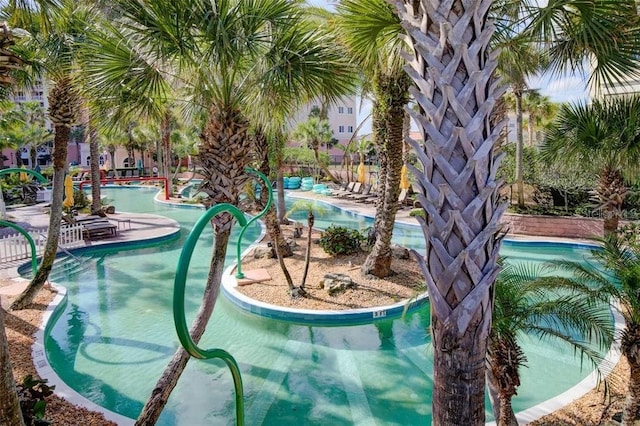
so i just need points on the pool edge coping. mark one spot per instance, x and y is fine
(45, 370)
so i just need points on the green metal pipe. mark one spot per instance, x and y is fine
(34, 259)
(264, 211)
(38, 176)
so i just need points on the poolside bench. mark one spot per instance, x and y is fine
(99, 229)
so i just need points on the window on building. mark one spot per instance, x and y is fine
(350, 129)
(340, 129)
(340, 110)
(349, 110)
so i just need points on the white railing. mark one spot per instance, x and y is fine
(16, 247)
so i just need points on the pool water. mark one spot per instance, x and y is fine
(115, 335)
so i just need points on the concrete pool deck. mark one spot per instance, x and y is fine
(133, 227)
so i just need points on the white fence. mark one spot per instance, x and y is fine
(16, 247)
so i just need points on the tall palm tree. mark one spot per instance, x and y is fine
(528, 304)
(314, 133)
(231, 57)
(456, 92)
(452, 68)
(540, 110)
(620, 255)
(59, 46)
(518, 60)
(605, 137)
(371, 30)
(10, 413)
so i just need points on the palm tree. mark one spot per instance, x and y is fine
(519, 59)
(459, 194)
(371, 30)
(452, 68)
(24, 126)
(540, 110)
(231, 57)
(10, 413)
(621, 280)
(60, 47)
(604, 137)
(526, 303)
(312, 210)
(314, 133)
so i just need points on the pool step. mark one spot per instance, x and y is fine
(68, 265)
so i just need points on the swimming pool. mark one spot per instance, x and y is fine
(115, 335)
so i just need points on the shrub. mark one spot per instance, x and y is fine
(340, 240)
(32, 393)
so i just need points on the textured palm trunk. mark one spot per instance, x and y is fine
(10, 413)
(96, 205)
(270, 219)
(165, 131)
(224, 153)
(504, 358)
(167, 382)
(112, 155)
(610, 193)
(379, 136)
(519, 147)
(307, 257)
(453, 73)
(630, 346)
(378, 262)
(63, 108)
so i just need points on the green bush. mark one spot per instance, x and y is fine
(32, 393)
(340, 240)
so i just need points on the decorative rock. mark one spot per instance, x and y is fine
(291, 243)
(399, 252)
(263, 252)
(335, 282)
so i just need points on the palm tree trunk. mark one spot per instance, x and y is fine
(166, 149)
(519, 148)
(307, 256)
(169, 378)
(61, 139)
(630, 346)
(10, 413)
(456, 94)
(270, 219)
(282, 207)
(112, 155)
(224, 153)
(378, 261)
(325, 169)
(379, 138)
(96, 205)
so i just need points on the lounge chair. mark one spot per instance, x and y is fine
(356, 190)
(364, 194)
(101, 228)
(343, 191)
(403, 198)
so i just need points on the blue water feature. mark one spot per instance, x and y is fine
(115, 335)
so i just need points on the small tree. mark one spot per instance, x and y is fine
(310, 208)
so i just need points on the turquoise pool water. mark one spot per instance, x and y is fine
(115, 335)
